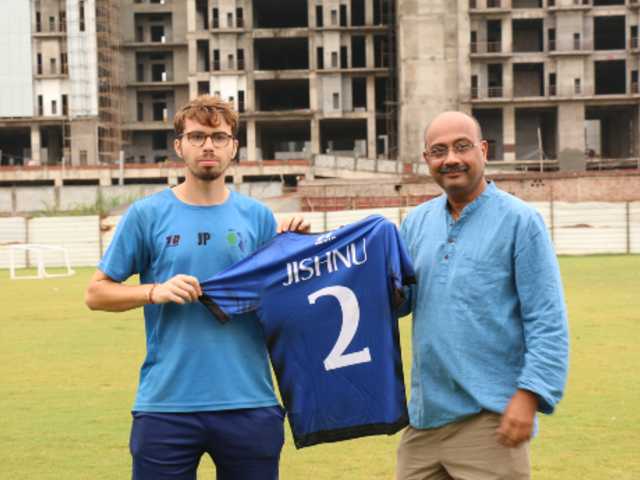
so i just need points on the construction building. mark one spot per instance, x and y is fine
(543, 77)
(59, 100)
(306, 77)
(358, 78)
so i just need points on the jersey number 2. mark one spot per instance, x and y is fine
(350, 319)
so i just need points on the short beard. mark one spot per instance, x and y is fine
(206, 176)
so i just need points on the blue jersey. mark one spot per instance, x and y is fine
(192, 362)
(326, 304)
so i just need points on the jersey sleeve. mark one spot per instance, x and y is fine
(127, 253)
(399, 266)
(235, 290)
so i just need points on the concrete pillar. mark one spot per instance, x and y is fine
(371, 117)
(369, 51)
(314, 100)
(371, 135)
(636, 134)
(192, 59)
(507, 34)
(571, 117)
(251, 140)
(509, 133)
(35, 144)
(507, 80)
(311, 14)
(191, 15)
(368, 12)
(315, 135)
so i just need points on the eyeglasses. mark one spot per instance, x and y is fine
(460, 148)
(198, 139)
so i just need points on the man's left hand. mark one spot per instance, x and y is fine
(516, 425)
(294, 224)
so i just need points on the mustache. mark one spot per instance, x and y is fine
(453, 169)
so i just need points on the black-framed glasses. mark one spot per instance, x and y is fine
(198, 139)
(460, 148)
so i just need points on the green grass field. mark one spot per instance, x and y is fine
(68, 376)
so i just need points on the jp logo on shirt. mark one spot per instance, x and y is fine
(325, 238)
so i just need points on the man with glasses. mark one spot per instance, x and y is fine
(204, 387)
(490, 342)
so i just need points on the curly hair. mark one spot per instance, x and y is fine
(206, 110)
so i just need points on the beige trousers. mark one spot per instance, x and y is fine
(465, 450)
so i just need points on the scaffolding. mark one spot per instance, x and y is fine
(109, 82)
(388, 14)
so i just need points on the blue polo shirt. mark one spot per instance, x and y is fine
(193, 363)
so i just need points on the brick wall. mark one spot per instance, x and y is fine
(331, 195)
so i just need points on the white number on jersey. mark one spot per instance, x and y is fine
(350, 319)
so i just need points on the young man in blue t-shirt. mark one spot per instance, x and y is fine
(204, 387)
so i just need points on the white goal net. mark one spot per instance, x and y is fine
(39, 256)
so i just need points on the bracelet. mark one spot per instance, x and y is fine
(150, 294)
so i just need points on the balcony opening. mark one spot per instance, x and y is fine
(536, 133)
(319, 18)
(344, 137)
(382, 11)
(15, 145)
(240, 56)
(610, 77)
(319, 58)
(281, 53)
(204, 88)
(273, 95)
(528, 35)
(239, 17)
(381, 84)
(612, 131)
(203, 55)
(359, 93)
(343, 16)
(159, 140)
(528, 80)
(266, 16)
(552, 84)
(344, 57)
(158, 72)
(526, 3)
(494, 71)
(160, 112)
(357, 13)
(202, 15)
(380, 51)
(599, 3)
(157, 33)
(491, 123)
(358, 48)
(494, 36)
(215, 18)
(287, 140)
(609, 33)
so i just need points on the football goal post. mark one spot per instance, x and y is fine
(40, 257)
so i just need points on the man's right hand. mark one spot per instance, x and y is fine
(180, 289)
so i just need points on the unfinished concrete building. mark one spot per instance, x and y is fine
(543, 76)
(345, 77)
(58, 98)
(307, 77)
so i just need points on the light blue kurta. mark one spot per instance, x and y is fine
(488, 310)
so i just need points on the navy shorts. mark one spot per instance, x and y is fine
(244, 444)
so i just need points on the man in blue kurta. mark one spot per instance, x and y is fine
(490, 341)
